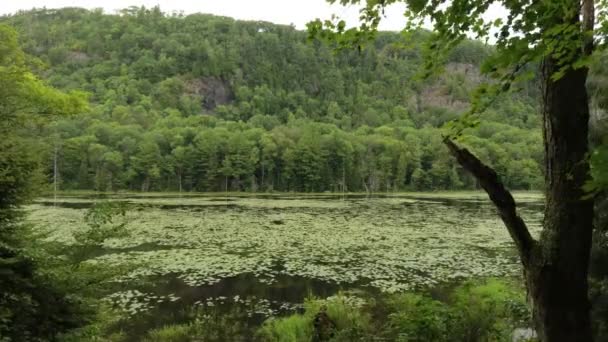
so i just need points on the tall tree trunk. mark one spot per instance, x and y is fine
(557, 276)
(179, 181)
(55, 176)
(146, 184)
(110, 181)
(555, 266)
(343, 181)
(262, 183)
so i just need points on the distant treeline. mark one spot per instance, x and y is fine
(208, 103)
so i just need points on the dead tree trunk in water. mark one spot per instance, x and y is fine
(55, 175)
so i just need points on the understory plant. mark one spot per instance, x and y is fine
(347, 320)
(488, 310)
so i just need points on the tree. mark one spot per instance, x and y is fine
(146, 163)
(179, 159)
(30, 308)
(557, 34)
(268, 156)
(112, 165)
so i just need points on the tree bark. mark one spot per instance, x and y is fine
(179, 181)
(503, 200)
(556, 266)
(262, 183)
(55, 175)
(557, 279)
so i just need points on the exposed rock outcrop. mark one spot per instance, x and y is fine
(213, 91)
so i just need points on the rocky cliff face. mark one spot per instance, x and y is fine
(213, 91)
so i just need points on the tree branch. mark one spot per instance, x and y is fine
(588, 11)
(500, 196)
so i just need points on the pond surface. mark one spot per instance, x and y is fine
(264, 254)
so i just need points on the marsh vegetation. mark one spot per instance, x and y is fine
(264, 265)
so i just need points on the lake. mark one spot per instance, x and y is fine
(262, 255)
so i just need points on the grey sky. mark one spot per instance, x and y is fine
(297, 12)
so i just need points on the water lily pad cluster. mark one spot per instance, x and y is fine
(393, 244)
(133, 302)
(252, 305)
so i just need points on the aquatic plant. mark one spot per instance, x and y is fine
(343, 242)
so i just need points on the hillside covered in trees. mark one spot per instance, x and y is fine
(207, 103)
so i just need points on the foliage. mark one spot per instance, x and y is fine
(497, 307)
(203, 325)
(598, 159)
(475, 311)
(31, 307)
(288, 329)
(253, 106)
(172, 333)
(598, 282)
(350, 322)
(418, 318)
(599, 170)
(99, 328)
(489, 311)
(598, 187)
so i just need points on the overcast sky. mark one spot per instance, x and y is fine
(297, 12)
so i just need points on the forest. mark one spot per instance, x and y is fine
(172, 178)
(206, 103)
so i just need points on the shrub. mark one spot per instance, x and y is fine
(418, 318)
(170, 333)
(349, 321)
(475, 311)
(294, 328)
(488, 311)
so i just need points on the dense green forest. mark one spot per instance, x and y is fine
(208, 103)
